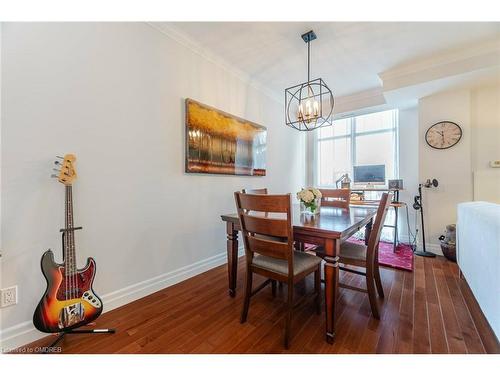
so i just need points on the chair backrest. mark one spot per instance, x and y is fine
(373, 240)
(263, 217)
(254, 191)
(335, 197)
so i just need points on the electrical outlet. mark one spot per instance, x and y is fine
(8, 296)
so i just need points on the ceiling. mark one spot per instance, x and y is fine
(347, 55)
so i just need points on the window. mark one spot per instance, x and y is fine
(362, 140)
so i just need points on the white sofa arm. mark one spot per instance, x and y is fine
(478, 255)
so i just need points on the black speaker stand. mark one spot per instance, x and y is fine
(423, 253)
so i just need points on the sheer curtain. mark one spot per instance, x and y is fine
(361, 140)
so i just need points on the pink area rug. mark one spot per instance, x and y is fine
(401, 259)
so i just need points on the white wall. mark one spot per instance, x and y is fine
(1, 116)
(477, 111)
(485, 120)
(408, 168)
(451, 167)
(113, 94)
(485, 104)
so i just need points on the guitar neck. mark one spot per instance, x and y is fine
(69, 236)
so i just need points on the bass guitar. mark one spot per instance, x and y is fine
(69, 300)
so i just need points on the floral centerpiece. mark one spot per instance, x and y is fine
(310, 200)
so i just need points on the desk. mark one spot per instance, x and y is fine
(327, 229)
(395, 203)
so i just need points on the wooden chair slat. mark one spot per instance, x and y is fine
(267, 226)
(335, 197)
(273, 249)
(265, 203)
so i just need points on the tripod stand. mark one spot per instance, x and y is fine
(61, 335)
(417, 205)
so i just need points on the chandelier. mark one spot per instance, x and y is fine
(309, 105)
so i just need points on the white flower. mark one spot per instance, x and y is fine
(317, 193)
(306, 195)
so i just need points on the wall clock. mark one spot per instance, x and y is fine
(443, 135)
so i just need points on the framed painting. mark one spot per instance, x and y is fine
(220, 143)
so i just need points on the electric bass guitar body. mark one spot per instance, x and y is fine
(69, 301)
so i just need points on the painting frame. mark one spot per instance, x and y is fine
(207, 129)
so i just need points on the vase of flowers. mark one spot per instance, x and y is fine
(310, 200)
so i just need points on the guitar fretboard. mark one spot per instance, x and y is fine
(69, 237)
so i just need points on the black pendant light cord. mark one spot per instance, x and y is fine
(308, 61)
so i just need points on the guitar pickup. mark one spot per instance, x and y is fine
(70, 229)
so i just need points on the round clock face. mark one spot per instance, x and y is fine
(444, 134)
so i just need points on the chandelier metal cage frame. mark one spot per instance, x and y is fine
(314, 95)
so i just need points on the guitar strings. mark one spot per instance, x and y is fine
(71, 244)
(72, 247)
(68, 234)
(66, 255)
(70, 271)
(75, 272)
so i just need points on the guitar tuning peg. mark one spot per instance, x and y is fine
(57, 162)
(60, 157)
(53, 176)
(57, 170)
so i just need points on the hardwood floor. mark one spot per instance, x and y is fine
(423, 312)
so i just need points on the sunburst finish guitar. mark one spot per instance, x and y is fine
(69, 300)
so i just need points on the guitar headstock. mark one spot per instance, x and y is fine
(67, 173)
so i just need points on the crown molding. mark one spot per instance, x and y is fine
(369, 94)
(178, 36)
(359, 101)
(453, 62)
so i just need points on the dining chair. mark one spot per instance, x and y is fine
(365, 256)
(263, 191)
(335, 197)
(271, 216)
(254, 191)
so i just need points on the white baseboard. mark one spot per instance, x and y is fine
(24, 333)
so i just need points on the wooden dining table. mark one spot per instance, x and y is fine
(327, 229)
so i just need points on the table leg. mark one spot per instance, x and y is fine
(396, 199)
(368, 230)
(232, 257)
(395, 239)
(332, 249)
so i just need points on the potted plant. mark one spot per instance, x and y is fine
(310, 200)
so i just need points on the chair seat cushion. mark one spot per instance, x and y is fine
(301, 263)
(352, 250)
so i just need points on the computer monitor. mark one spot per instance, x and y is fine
(369, 174)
